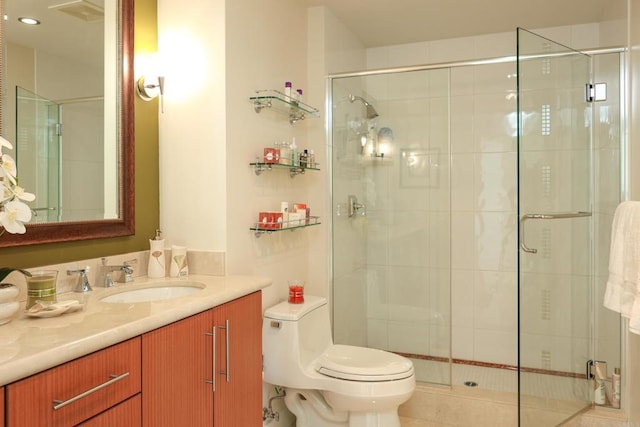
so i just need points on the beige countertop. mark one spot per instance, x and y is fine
(30, 345)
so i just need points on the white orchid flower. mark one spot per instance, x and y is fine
(5, 193)
(8, 166)
(5, 143)
(13, 215)
(23, 195)
(13, 211)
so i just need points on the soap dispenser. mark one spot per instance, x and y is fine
(156, 267)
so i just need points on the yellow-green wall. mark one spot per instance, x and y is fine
(146, 177)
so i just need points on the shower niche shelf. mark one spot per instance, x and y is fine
(259, 167)
(260, 228)
(277, 100)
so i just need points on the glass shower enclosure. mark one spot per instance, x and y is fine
(555, 209)
(472, 205)
(38, 152)
(391, 193)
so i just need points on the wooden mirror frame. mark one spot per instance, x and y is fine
(125, 225)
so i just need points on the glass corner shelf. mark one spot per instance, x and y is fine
(260, 228)
(297, 110)
(259, 167)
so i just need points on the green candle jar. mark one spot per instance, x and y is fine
(41, 286)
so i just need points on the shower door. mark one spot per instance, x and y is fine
(555, 224)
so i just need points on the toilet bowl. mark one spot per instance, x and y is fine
(329, 384)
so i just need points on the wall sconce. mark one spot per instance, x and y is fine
(148, 91)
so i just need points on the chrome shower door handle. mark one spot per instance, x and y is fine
(526, 217)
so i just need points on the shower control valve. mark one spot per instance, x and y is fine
(354, 206)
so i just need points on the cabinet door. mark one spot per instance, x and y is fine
(238, 396)
(75, 391)
(176, 373)
(128, 414)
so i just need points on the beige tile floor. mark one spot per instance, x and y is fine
(413, 422)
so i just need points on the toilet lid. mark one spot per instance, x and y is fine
(363, 364)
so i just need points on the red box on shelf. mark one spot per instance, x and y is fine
(271, 155)
(269, 220)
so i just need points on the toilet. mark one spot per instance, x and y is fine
(327, 384)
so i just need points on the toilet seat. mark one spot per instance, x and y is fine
(363, 364)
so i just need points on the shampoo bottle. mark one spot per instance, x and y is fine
(156, 268)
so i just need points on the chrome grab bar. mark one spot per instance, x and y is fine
(564, 215)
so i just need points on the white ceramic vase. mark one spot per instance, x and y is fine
(8, 302)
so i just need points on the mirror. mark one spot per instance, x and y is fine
(68, 110)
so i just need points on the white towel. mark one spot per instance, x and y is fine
(623, 287)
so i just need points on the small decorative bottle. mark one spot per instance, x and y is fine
(156, 267)
(179, 265)
(287, 92)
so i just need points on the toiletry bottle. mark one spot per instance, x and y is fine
(304, 156)
(299, 95)
(311, 161)
(284, 208)
(599, 392)
(615, 388)
(156, 268)
(287, 91)
(294, 153)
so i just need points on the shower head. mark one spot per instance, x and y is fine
(371, 112)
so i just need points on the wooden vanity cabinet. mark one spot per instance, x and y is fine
(188, 379)
(1, 406)
(125, 414)
(238, 396)
(177, 363)
(77, 390)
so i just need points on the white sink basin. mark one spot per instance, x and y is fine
(161, 291)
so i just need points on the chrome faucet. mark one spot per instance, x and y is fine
(83, 281)
(125, 272)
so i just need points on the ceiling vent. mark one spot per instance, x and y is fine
(81, 9)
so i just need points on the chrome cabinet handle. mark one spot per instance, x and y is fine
(212, 381)
(526, 217)
(226, 329)
(59, 404)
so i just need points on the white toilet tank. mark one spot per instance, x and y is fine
(293, 335)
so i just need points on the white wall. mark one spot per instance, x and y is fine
(193, 126)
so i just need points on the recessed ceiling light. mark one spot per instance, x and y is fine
(29, 21)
